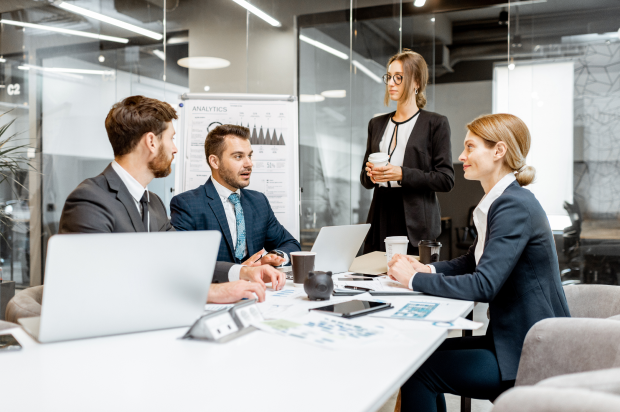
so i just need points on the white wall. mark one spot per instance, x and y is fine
(74, 107)
(542, 96)
(462, 103)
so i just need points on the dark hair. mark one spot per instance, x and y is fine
(415, 71)
(131, 118)
(215, 143)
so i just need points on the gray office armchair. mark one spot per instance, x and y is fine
(593, 301)
(576, 392)
(25, 304)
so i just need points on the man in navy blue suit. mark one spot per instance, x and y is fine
(244, 217)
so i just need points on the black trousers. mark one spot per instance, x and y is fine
(387, 218)
(464, 366)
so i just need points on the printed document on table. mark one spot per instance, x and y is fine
(434, 311)
(381, 284)
(323, 330)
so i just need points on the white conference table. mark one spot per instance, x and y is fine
(157, 371)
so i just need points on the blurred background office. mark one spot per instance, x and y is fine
(554, 63)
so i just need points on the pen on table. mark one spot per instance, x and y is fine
(358, 288)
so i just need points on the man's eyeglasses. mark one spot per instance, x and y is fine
(398, 79)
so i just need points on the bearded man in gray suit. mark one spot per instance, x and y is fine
(141, 133)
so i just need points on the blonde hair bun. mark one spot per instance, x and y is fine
(507, 128)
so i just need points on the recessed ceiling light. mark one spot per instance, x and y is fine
(334, 94)
(204, 63)
(65, 31)
(433, 20)
(207, 88)
(110, 20)
(311, 98)
(419, 3)
(101, 58)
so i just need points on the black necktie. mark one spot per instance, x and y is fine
(145, 211)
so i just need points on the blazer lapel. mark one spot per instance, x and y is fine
(215, 203)
(122, 194)
(377, 137)
(416, 131)
(248, 216)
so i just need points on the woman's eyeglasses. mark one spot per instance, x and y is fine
(398, 79)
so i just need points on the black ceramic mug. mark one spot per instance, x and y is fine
(429, 251)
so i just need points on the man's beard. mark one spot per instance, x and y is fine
(230, 178)
(161, 166)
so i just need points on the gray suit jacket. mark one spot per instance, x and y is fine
(102, 204)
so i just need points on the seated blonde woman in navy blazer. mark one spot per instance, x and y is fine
(512, 265)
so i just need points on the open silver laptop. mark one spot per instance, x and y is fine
(108, 284)
(337, 246)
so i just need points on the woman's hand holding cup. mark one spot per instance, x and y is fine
(369, 167)
(388, 173)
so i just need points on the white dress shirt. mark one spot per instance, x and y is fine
(136, 190)
(231, 216)
(402, 137)
(229, 209)
(481, 216)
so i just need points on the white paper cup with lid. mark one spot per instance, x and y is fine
(394, 245)
(379, 159)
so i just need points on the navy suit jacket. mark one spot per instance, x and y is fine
(518, 274)
(202, 209)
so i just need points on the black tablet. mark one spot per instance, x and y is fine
(353, 308)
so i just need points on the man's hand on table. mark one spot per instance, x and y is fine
(402, 268)
(269, 259)
(263, 274)
(231, 292)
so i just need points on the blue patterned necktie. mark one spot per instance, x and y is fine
(239, 252)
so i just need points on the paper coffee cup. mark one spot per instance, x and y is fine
(394, 245)
(303, 262)
(379, 159)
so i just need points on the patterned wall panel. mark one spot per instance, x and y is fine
(597, 113)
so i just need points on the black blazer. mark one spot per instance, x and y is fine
(427, 168)
(102, 204)
(518, 274)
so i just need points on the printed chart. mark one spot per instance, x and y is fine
(323, 330)
(273, 135)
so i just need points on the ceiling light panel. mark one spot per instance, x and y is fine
(107, 19)
(324, 47)
(65, 31)
(258, 13)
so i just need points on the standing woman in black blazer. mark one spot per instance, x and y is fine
(512, 265)
(418, 143)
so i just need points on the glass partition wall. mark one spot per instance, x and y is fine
(552, 62)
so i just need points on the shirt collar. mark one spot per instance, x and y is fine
(495, 192)
(223, 191)
(136, 190)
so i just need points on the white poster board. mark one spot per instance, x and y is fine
(272, 120)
